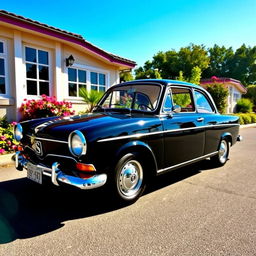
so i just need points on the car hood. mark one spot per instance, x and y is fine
(94, 126)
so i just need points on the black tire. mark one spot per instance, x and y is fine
(129, 178)
(223, 152)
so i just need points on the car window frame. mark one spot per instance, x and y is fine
(159, 99)
(208, 98)
(179, 87)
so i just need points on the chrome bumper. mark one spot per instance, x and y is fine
(57, 176)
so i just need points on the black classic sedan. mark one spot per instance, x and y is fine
(138, 130)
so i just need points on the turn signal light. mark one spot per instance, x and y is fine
(20, 148)
(85, 167)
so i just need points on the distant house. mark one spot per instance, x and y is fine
(235, 88)
(36, 59)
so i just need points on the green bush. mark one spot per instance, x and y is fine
(219, 94)
(244, 106)
(7, 142)
(246, 118)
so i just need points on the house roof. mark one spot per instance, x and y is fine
(30, 24)
(224, 80)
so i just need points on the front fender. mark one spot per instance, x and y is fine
(140, 147)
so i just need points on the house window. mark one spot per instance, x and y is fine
(76, 81)
(37, 71)
(98, 81)
(2, 69)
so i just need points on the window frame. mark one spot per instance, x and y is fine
(191, 95)
(98, 85)
(207, 98)
(88, 70)
(77, 81)
(38, 80)
(4, 56)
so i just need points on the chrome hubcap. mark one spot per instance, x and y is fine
(130, 179)
(223, 151)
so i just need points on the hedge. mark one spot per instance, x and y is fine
(248, 118)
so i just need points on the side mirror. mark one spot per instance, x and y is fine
(176, 108)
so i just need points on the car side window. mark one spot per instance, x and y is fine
(202, 103)
(168, 106)
(183, 98)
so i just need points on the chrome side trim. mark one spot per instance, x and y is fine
(39, 138)
(187, 162)
(139, 135)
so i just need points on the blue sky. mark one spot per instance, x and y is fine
(139, 29)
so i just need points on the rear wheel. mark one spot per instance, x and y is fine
(221, 158)
(129, 178)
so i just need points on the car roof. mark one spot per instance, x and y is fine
(163, 82)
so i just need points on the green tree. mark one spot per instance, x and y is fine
(219, 94)
(170, 63)
(90, 97)
(219, 61)
(126, 76)
(251, 93)
(195, 75)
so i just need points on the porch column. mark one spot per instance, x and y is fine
(19, 72)
(59, 86)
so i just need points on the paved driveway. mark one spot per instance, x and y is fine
(193, 211)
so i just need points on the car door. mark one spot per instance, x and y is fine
(212, 120)
(184, 135)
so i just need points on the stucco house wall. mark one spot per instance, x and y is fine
(20, 36)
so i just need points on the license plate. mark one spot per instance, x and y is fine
(34, 173)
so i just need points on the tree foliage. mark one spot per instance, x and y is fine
(251, 93)
(219, 94)
(126, 76)
(169, 64)
(217, 61)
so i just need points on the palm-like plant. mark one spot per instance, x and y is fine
(90, 97)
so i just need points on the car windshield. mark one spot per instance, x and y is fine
(135, 97)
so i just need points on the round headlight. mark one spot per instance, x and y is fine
(18, 132)
(77, 143)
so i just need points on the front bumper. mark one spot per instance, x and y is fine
(57, 176)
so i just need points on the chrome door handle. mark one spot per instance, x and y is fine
(200, 119)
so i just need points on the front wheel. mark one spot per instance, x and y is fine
(221, 158)
(129, 178)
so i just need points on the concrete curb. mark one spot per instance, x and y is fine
(6, 159)
(247, 125)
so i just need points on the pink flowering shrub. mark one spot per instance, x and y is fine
(45, 107)
(7, 142)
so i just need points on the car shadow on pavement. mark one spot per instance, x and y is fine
(29, 210)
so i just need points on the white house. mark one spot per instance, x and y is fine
(235, 88)
(36, 59)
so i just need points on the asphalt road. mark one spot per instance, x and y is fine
(193, 211)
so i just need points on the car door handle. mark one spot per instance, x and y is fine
(200, 119)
